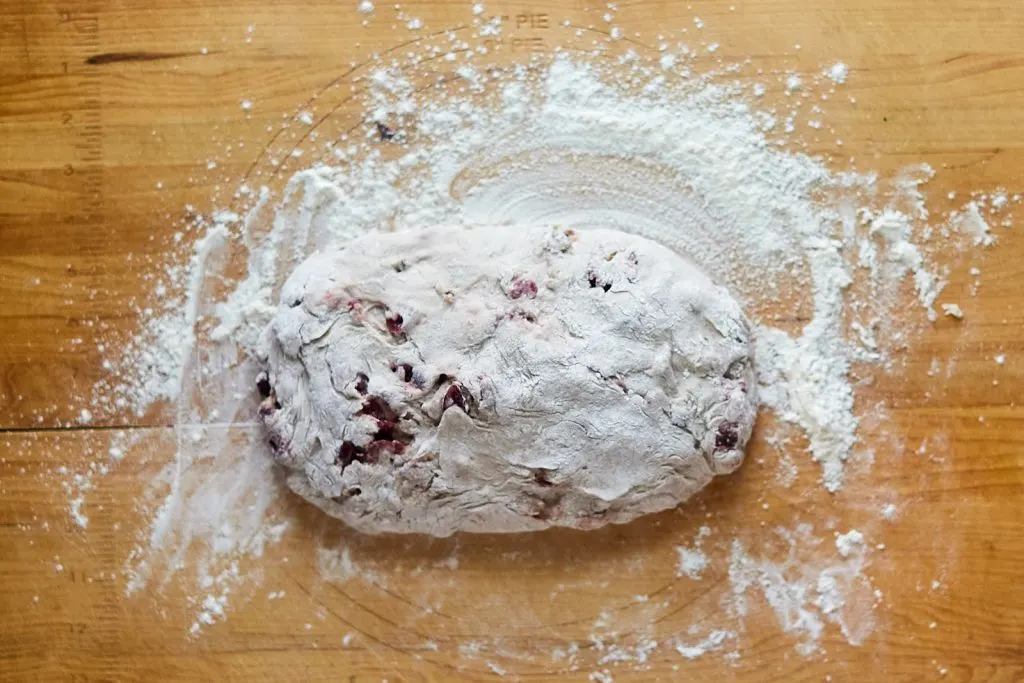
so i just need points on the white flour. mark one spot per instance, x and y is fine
(838, 72)
(804, 593)
(693, 560)
(652, 145)
(714, 641)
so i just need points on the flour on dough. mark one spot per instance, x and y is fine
(500, 379)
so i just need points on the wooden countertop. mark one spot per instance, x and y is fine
(100, 101)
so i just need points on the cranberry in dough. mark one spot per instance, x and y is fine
(504, 379)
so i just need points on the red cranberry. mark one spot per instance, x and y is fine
(387, 438)
(727, 436)
(362, 383)
(404, 371)
(394, 323)
(595, 281)
(350, 453)
(385, 430)
(378, 409)
(263, 385)
(454, 397)
(521, 287)
(388, 428)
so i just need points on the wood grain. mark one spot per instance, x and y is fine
(100, 101)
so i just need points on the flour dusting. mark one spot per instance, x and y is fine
(805, 593)
(693, 560)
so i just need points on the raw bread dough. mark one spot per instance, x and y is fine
(504, 379)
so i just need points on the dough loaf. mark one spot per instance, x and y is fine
(504, 379)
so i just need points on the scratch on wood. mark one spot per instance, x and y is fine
(113, 57)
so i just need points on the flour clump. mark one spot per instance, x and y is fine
(503, 379)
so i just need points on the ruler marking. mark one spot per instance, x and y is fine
(90, 132)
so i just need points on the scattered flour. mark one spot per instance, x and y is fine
(805, 593)
(714, 641)
(953, 311)
(837, 73)
(693, 561)
(849, 542)
(970, 222)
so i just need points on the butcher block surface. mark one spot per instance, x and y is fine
(102, 103)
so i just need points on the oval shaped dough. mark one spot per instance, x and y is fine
(504, 379)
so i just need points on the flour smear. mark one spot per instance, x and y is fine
(666, 145)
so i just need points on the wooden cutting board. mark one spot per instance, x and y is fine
(102, 103)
